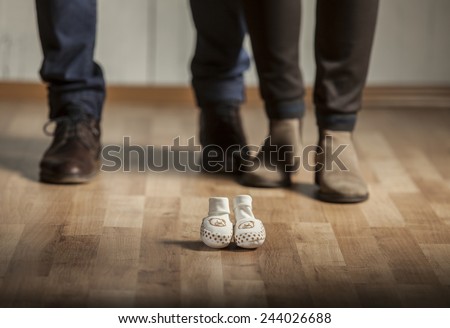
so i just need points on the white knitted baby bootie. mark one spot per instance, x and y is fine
(216, 230)
(249, 232)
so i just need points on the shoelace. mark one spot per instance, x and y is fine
(71, 127)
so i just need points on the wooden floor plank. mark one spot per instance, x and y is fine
(405, 257)
(378, 295)
(71, 272)
(317, 244)
(438, 256)
(10, 235)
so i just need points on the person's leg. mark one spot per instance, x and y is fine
(344, 36)
(219, 60)
(274, 28)
(217, 68)
(67, 30)
(76, 89)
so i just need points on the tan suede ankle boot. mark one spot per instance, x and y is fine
(338, 174)
(278, 158)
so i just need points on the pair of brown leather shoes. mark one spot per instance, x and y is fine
(74, 154)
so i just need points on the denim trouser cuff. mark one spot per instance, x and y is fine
(210, 93)
(286, 110)
(336, 122)
(89, 101)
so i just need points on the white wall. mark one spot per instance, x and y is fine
(151, 42)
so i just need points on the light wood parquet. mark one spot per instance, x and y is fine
(132, 239)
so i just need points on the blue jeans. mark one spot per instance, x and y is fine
(67, 31)
(220, 61)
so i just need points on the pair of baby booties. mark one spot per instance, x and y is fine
(217, 230)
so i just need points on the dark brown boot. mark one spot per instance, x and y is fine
(222, 138)
(74, 155)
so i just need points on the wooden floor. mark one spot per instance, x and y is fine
(132, 239)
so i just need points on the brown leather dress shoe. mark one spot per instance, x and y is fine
(74, 155)
(222, 138)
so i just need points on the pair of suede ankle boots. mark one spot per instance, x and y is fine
(337, 172)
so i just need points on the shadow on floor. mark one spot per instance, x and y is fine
(308, 190)
(199, 246)
(22, 155)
